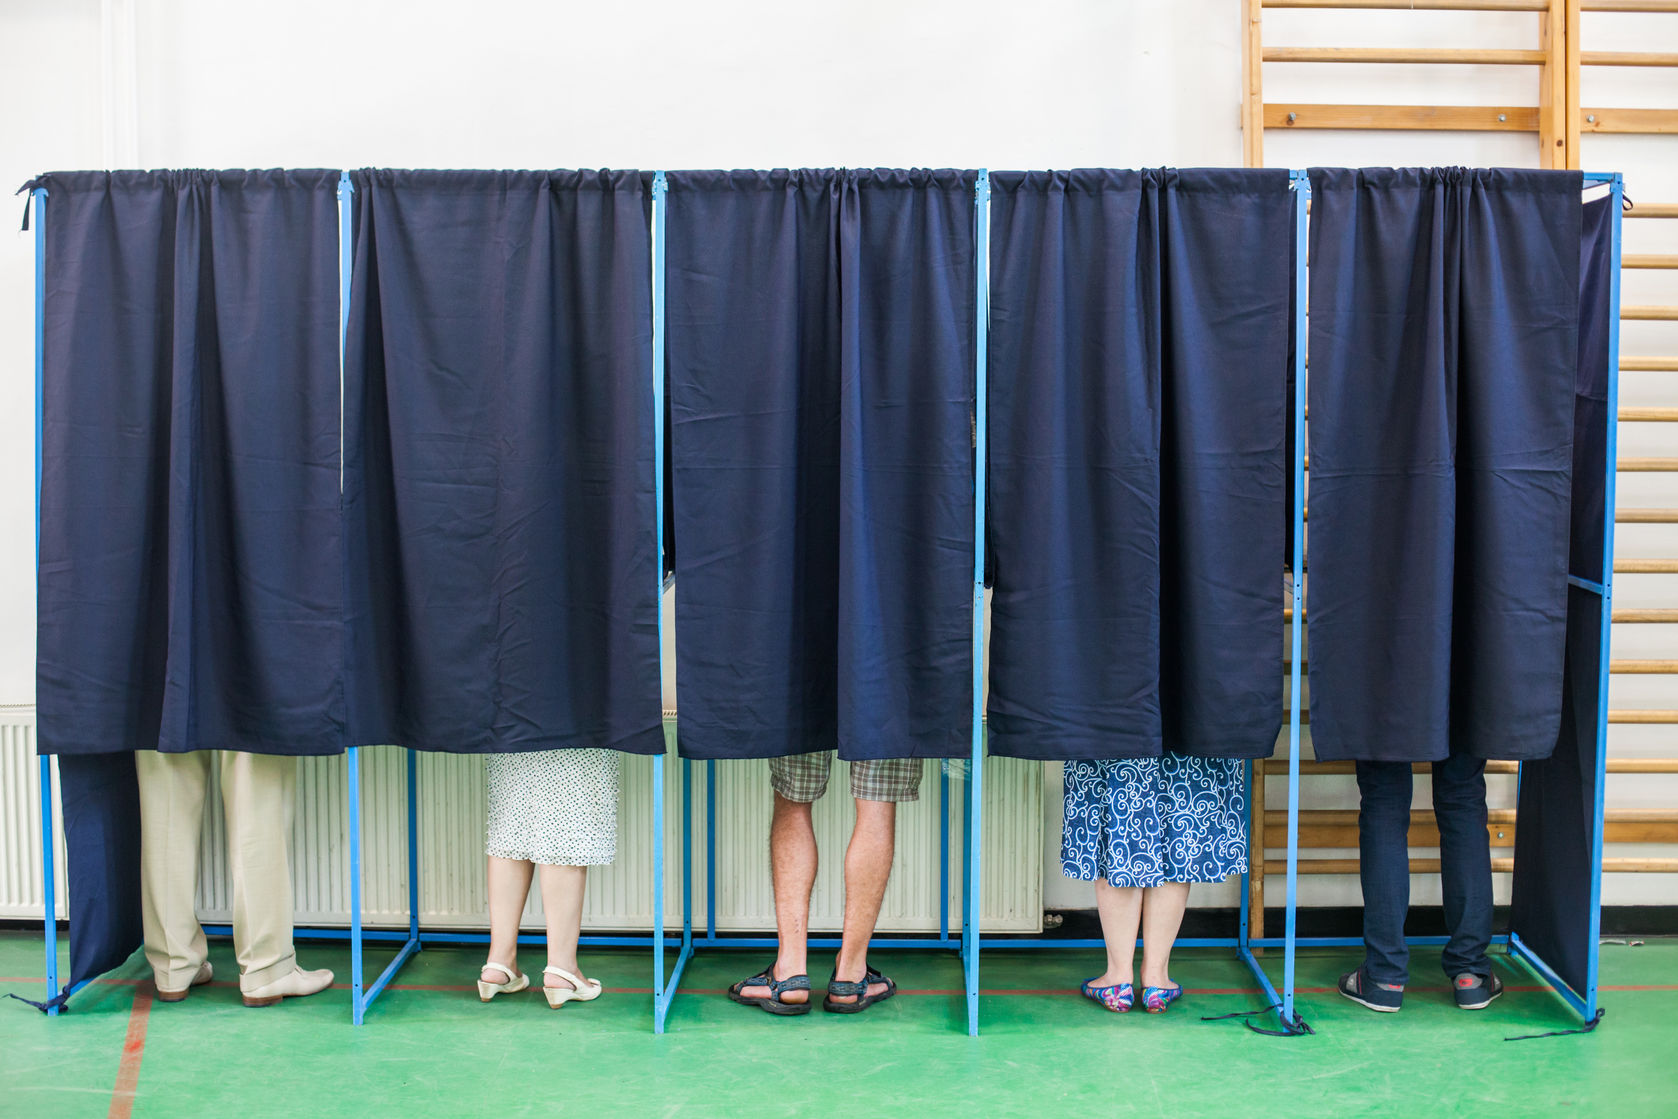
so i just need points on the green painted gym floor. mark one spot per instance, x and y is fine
(429, 1047)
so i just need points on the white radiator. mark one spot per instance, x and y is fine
(451, 807)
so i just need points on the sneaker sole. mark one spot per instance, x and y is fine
(1379, 1009)
(1477, 1005)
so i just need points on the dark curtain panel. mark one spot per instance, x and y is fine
(1551, 903)
(498, 482)
(1138, 420)
(821, 382)
(190, 579)
(1443, 339)
(190, 573)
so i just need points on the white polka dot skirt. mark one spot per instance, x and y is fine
(558, 807)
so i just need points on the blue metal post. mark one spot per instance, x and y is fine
(710, 848)
(357, 1005)
(1302, 196)
(49, 869)
(661, 1003)
(981, 338)
(413, 850)
(687, 851)
(943, 852)
(346, 191)
(1617, 198)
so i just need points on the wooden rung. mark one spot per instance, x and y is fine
(1648, 415)
(1499, 866)
(1621, 617)
(1348, 817)
(1649, 260)
(1279, 766)
(1402, 118)
(1449, 56)
(1646, 567)
(1648, 312)
(1619, 667)
(1642, 716)
(1625, 465)
(1625, 58)
(1648, 364)
(1646, 516)
(1631, 122)
(1653, 210)
(1643, 667)
(1624, 6)
(1429, 5)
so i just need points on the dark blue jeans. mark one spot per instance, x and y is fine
(1465, 865)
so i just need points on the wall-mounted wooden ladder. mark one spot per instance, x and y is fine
(1558, 123)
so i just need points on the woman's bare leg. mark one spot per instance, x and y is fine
(562, 902)
(1162, 916)
(1121, 912)
(509, 885)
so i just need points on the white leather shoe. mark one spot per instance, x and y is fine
(514, 983)
(205, 974)
(294, 985)
(581, 990)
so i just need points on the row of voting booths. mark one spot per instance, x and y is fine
(331, 461)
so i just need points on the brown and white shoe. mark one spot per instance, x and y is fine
(205, 974)
(294, 985)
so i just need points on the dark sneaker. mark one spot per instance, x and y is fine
(1385, 997)
(1476, 992)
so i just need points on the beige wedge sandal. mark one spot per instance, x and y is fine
(514, 983)
(581, 990)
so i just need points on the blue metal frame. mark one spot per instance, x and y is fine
(1585, 1002)
(968, 943)
(1242, 942)
(413, 940)
(976, 780)
(49, 873)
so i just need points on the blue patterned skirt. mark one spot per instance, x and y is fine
(1149, 821)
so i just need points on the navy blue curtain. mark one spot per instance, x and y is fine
(1444, 339)
(498, 467)
(1138, 420)
(1551, 903)
(190, 576)
(821, 385)
(190, 572)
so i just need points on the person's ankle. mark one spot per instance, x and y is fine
(511, 965)
(553, 980)
(1113, 978)
(849, 971)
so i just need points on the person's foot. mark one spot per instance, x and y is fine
(204, 975)
(855, 975)
(791, 996)
(561, 985)
(1384, 997)
(561, 975)
(500, 979)
(1475, 992)
(294, 985)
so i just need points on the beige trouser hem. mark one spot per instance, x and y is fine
(258, 798)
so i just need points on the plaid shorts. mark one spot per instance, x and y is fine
(803, 777)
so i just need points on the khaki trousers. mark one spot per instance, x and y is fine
(258, 795)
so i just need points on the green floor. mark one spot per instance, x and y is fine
(430, 1048)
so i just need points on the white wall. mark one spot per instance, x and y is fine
(502, 83)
